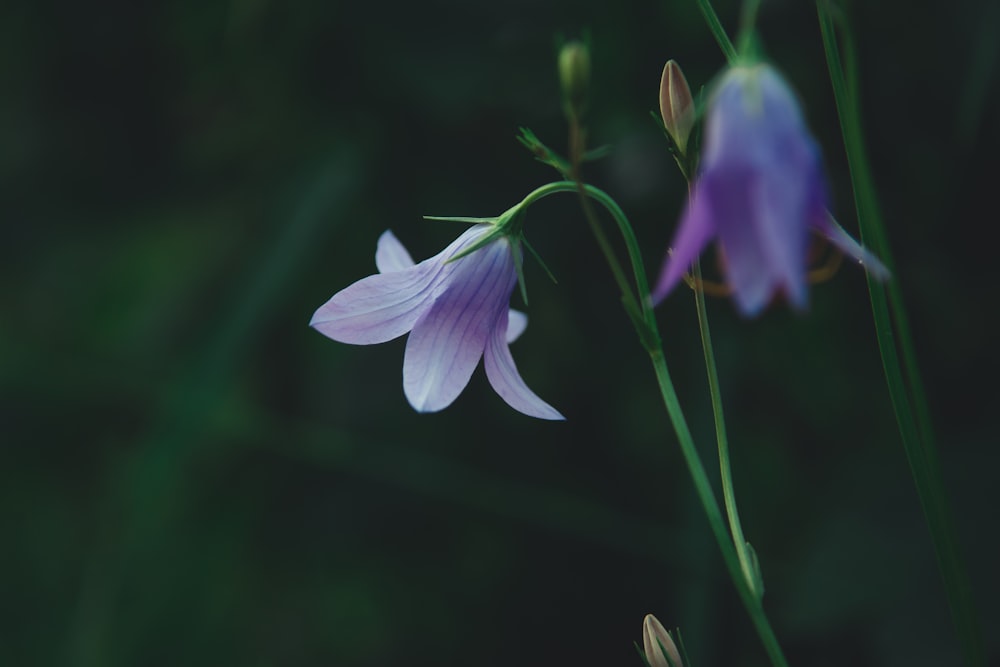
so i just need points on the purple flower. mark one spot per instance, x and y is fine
(455, 311)
(760, 192)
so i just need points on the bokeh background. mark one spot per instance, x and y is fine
(189, 475)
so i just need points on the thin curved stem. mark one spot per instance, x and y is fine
(695, 466)
(748, 19)
(899, 363)
(711, 507)
(639, 310)
(748, 561)
(714, 25)
(649, 333)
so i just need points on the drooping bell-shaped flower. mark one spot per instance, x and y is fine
(455, 307)
(760, 192)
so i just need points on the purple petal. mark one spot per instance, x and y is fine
(378, 308)
(387, 305)
(391, 255)
(507, 382)
(747, 264)
(517, 322)
(828, 227)
(751, 113)
(449, 338)
(762, 174)
(781, 201)
(695, 231)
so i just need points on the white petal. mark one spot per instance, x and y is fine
(507, 382)
(517, 322)
(378, 308)
(447, 341)
(387, 305)
(391, 255)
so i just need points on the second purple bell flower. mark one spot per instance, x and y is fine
(760, 192)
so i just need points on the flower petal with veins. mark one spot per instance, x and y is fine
(391, 255)
(447, 343)
(456, 311)
(507, 382)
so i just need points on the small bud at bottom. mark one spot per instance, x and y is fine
(658, 644)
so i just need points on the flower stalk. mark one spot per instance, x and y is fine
(645, 323)
(744, 552)
(649, 333)
(899, 363)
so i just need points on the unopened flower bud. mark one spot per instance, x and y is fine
(655, 641)
(574, 75)
(676, 105)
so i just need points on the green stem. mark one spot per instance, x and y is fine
(649, 333)
(711, 507)
(748, 19)
(748, 563)
(697, 470)
(639, 310)
(715, 26)
(902, 374)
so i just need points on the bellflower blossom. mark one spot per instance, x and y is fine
(456, 311)
(760, 192)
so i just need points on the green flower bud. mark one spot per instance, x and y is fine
(676, 105)
(574, 75)
(656, 641)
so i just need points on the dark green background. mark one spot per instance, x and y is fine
(189, 475)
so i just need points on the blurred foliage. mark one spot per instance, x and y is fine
(190, 475)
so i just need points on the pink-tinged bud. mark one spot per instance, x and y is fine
(676, 105)
(654, 636)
